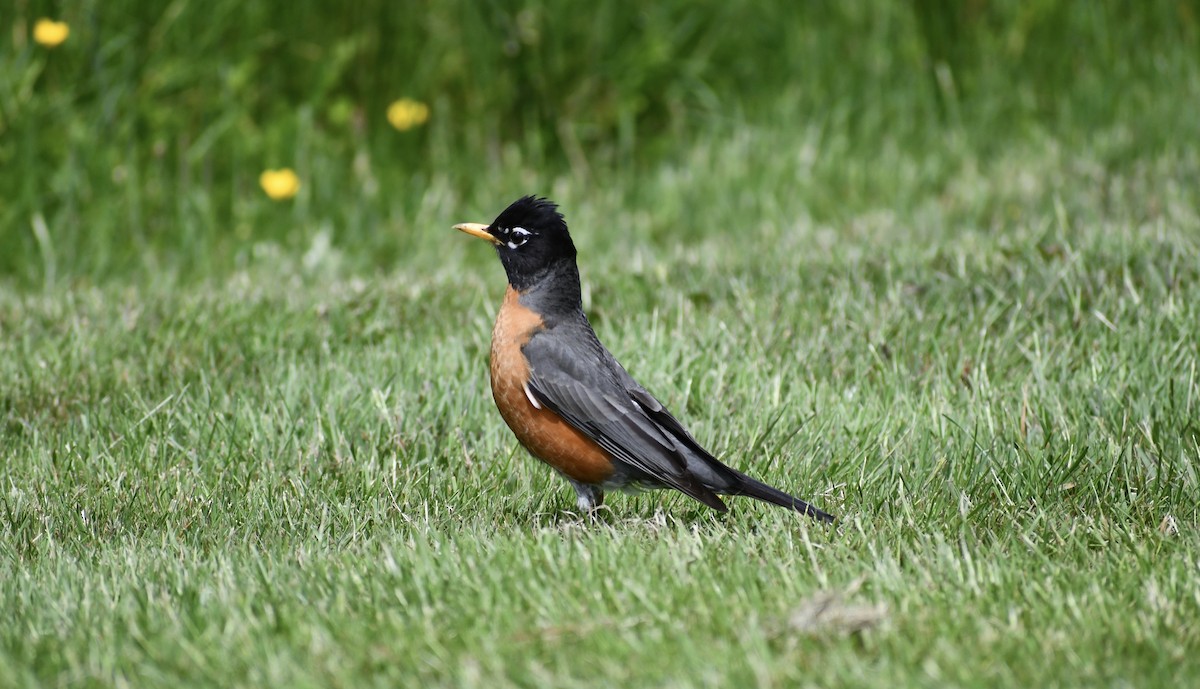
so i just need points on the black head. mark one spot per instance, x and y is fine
(531, 238)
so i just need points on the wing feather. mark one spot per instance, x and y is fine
(595, 400)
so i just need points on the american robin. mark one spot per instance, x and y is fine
(567, 399)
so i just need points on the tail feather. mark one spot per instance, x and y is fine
(753, 488)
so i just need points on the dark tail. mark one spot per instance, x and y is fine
(758, 490)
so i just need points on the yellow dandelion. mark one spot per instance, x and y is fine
(406, 113)
(279, 184)
(50, 33)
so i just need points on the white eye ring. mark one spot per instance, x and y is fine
(521, 232)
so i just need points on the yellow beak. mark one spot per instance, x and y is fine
(476, 230)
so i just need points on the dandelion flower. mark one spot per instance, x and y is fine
(50, 33)
(406, 113)
(279, 184)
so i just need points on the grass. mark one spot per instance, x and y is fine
(248, 443)
(295, 477)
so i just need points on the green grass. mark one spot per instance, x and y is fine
(245, 443)
(295, 477)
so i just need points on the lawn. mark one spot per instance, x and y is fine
(249, 442)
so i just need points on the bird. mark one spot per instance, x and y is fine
(567, 399)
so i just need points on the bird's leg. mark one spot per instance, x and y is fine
(588, 497)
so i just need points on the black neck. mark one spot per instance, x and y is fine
(554, 289)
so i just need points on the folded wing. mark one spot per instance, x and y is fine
(627, 423)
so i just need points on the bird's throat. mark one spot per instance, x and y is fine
(554, 289)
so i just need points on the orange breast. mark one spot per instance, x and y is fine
(541, 431)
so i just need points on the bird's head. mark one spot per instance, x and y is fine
(530, 236)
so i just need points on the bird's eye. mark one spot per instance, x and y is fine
(516, 236)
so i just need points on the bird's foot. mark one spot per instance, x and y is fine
(588, 498)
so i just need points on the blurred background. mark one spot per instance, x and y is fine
(185, 140)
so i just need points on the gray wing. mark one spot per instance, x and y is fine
(578, 380)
